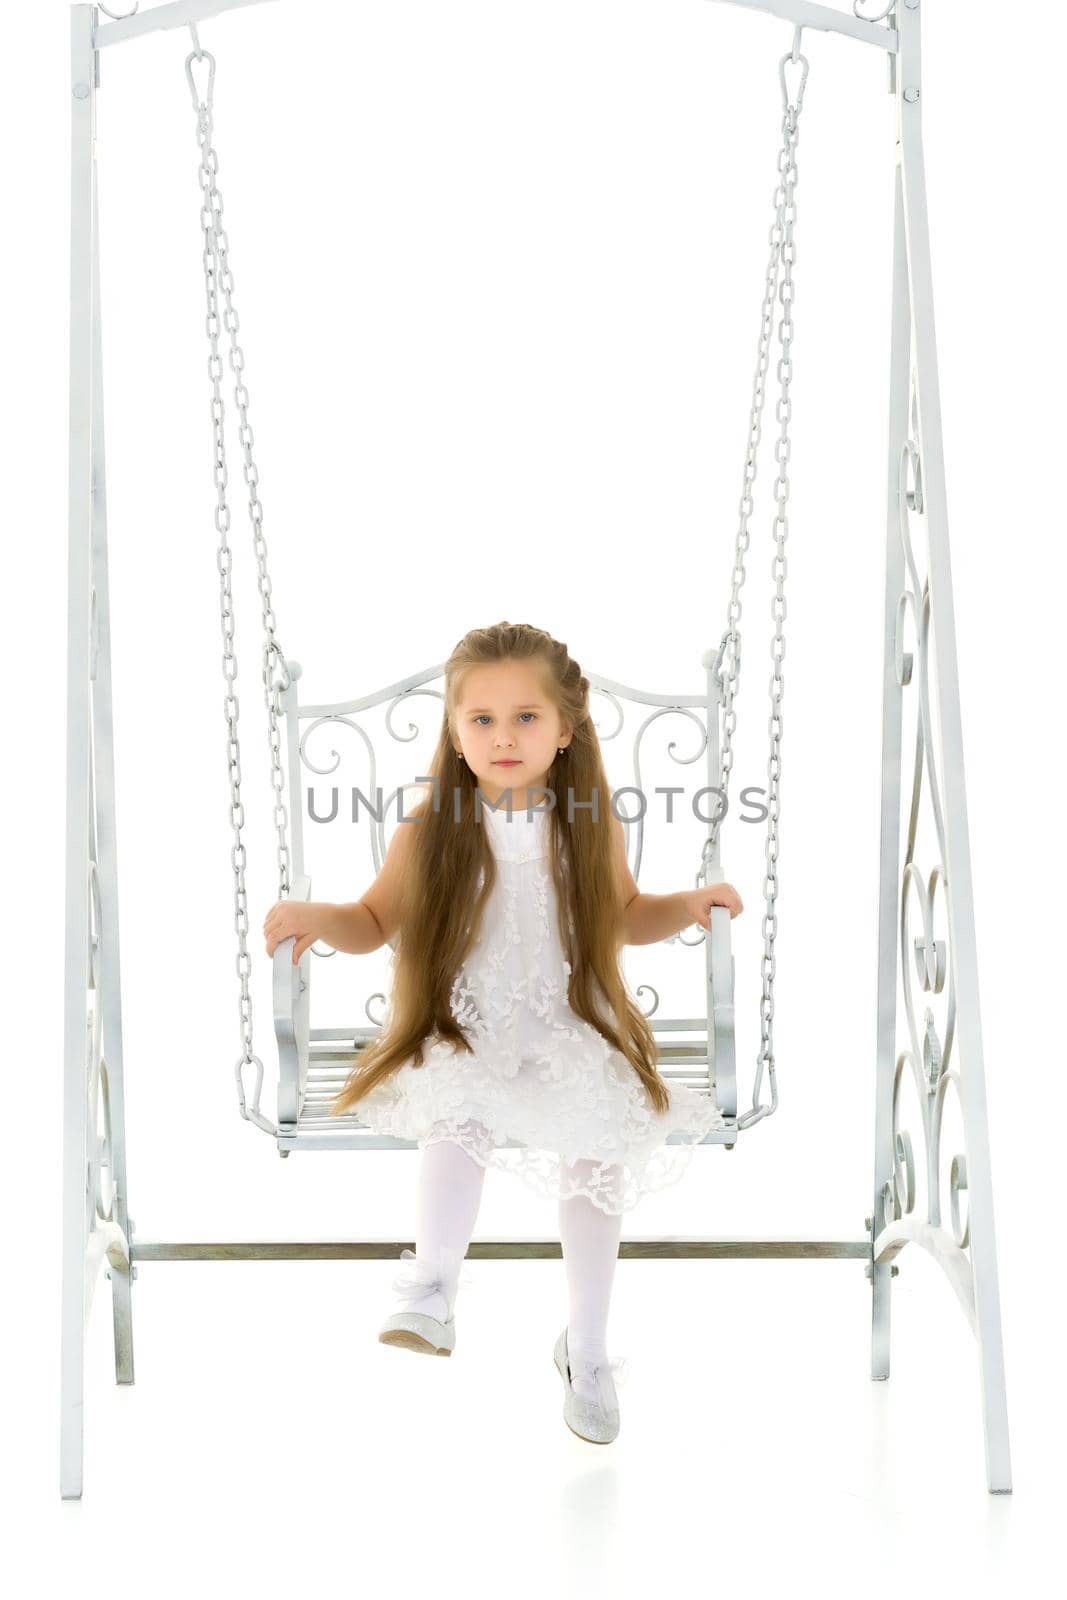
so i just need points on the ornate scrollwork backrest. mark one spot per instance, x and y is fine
(372, 791)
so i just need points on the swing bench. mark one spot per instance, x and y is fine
(940, 1055)
(315, 1060)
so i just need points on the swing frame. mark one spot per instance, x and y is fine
(98, 1233)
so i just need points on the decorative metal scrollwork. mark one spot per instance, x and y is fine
(103, 1237)
(926, 967)
(647, 988)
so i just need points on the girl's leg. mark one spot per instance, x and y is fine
(447, 1200)
(590, 1240)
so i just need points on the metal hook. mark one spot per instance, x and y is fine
(200, 53)
(794, 57)
(210, 96)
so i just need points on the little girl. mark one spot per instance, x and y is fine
(507, 970)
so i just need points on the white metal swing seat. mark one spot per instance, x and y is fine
(695, 1051)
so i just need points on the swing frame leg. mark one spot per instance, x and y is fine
(95, 1223)
(947, 1060)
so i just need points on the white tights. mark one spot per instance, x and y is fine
(448, 1197)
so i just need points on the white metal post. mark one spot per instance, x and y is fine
(919, 608)
(96, 1227)
(76, 1197)
(889, 875)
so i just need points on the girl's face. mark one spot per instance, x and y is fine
(504, 715)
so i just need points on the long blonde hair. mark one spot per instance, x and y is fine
(442, 909)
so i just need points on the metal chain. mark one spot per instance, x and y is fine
(730, 647)
(782, 251)
(778, 607)
(217, 274)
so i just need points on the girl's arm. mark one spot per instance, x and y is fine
(351, 929)
(348, 928)
(652, 917)
(630, 893)
(375, 917)
(356, 929)
(647, 918)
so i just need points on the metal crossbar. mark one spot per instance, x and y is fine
(182, 13)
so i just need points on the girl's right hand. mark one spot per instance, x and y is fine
(287, 919)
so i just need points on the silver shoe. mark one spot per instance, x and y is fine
(416, 1330)
(599, 1423)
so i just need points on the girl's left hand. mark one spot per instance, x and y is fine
(700, 901)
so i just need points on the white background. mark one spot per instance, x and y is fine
(499, 269)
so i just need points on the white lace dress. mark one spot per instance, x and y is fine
(540, 1075)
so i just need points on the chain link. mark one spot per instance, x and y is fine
(217, 275)
(778, 286)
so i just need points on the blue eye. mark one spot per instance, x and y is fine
(533, 714)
